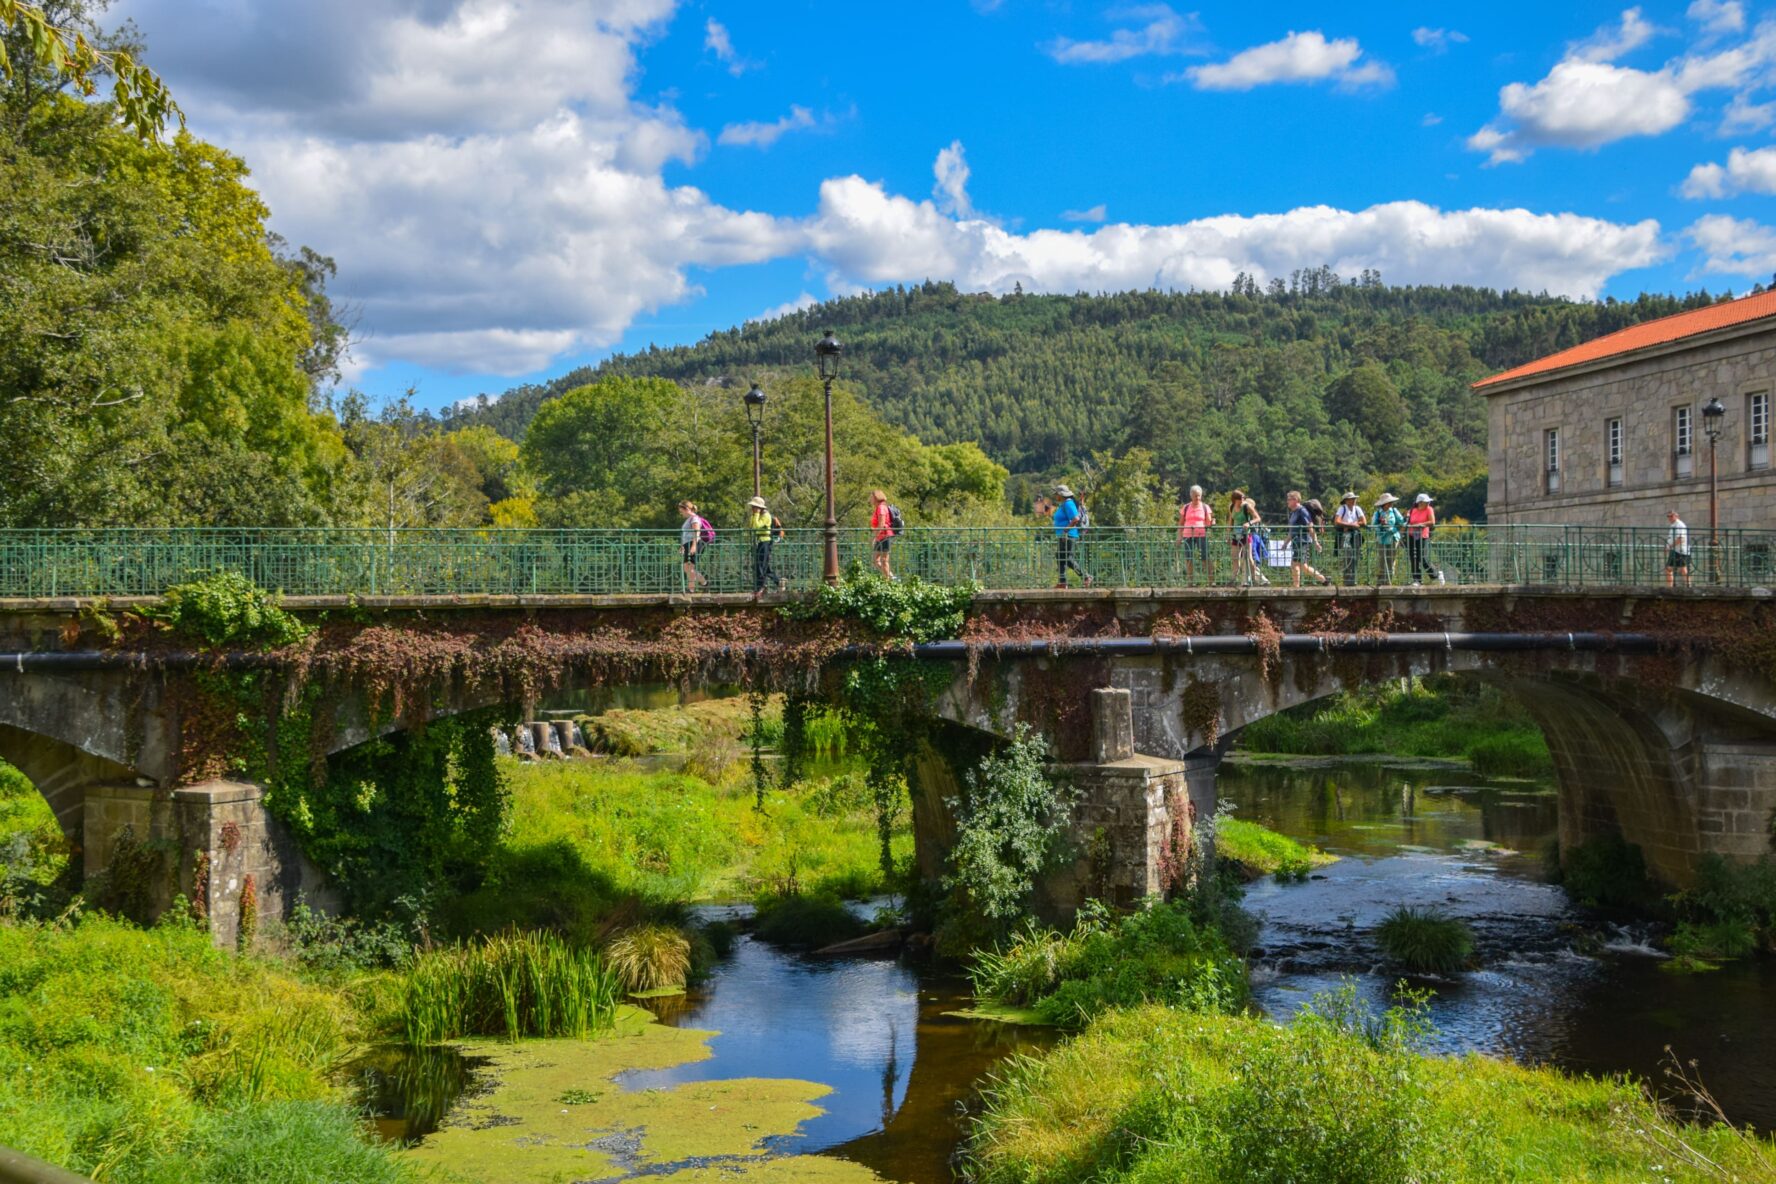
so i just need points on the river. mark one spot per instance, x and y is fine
(1554, 986)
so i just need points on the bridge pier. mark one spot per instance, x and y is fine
(206, 842)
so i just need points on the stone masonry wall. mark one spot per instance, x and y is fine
(219, 828)
(1644, 394)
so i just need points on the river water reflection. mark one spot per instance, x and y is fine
(1551, 989)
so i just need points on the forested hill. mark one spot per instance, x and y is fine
(1320, 382)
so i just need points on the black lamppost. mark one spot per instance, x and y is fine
(755, 415)
(1712, 415)
(826, 356)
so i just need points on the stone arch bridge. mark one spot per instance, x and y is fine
(1659, 708)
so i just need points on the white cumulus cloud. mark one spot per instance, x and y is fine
(873, 237)
(1718, 16)
(763, 135)
(1588, 100)
(1437, 40)
(1154, 29)
(951, 189)
(1298, 57)
(1746, 171)
(804, 300)
(1092, 214)
(1733, 246)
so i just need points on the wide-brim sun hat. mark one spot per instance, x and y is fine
(1064, 491)
(757, 503)
(1386, 499)
(1423, 499)
(1348, 497)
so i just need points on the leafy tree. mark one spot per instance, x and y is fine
(407, 474)
(50, 46)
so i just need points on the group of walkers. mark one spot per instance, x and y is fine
(1252, 547)
(1307, 528)
(764, 530)
(1305, 525)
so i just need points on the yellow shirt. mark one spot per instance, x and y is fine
(760, 521)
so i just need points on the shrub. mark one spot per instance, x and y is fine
(1608, 873)
(1425, 940)
(806, 922)
(1158, 954)
(1011, 824)
(511, 985)
(1733, 896)
(336, 946)
(909, 609)
(649, 958)
(226, 609)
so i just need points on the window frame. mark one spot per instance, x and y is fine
(1683, 441)
(1551, 459)
(1757, 429)
(1614, 446)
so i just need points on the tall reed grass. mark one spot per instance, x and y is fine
(511, 985)
(649, 957)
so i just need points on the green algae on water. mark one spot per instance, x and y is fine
(523, 1131)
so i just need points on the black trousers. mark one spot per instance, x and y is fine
(1418, 553)
(1064, 559)
(1350, 543)
(762, 575)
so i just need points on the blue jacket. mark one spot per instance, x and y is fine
(1066, 514)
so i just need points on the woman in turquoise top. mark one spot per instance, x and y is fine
(1389, 523)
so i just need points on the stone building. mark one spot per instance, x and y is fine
(1612, 432)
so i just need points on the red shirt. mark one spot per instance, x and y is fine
(1194, 518)
(1420, 521)
(879, 519)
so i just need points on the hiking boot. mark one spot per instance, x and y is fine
(1088, 581)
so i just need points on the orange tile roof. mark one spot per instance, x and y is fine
(1647, 333)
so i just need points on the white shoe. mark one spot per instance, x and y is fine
(1440, 579)
(1264, 580)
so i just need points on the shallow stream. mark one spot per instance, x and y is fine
(1554, 986)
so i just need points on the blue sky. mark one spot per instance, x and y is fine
(514, 187)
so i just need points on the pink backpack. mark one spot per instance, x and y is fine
(705, 531)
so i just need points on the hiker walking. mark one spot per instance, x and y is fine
(1347, 539)
(693, 533)
(765, 530)
(1069, 517)
(1677, 550)
(1243, 520)
(1390, 526)
(885, 520)
(1419, 524)
(1303, 535)
(1195, 517)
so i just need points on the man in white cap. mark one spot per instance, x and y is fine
(1390, 527)
(765, 530)
(1349, 521)
(1419, 524)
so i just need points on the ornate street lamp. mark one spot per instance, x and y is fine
(826, 358)
(1712, 416)
(755, 415)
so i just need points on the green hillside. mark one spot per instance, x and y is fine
(1317, 383)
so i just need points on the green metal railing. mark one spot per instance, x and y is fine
(319, 562)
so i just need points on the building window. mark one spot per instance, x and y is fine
(1613, 434)
(1757, 419)
(1551, 452)
(1682, 443)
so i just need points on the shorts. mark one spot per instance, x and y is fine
(1300, 549)
(1196, 545)
(1241, 540)
(882, 545)
(1677, 560)
(691, 551)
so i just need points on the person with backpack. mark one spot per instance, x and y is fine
(886, 521)
(693, 534)
(765, 530)
(1195, 517)
(1245, 522)
(1349, 521)
(1303, 536)
(1390, 525)
(1419, 524)
(1069, 519)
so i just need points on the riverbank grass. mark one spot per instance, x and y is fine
(511, 985)
(1439, 717)
(1156, 1094)
(147, 1056)
(1260, 851)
